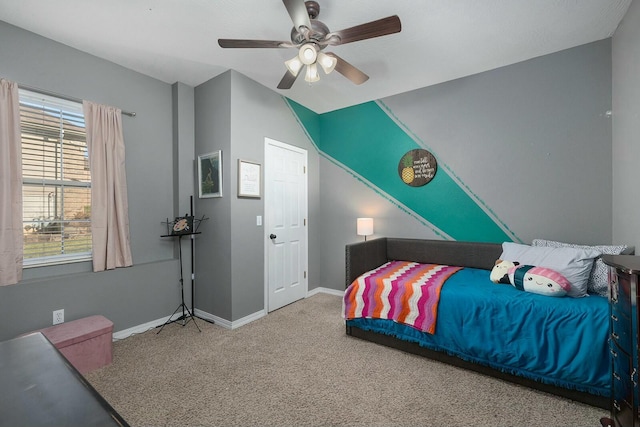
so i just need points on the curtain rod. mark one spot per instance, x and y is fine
(68, 98)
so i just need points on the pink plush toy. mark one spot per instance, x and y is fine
(539, 280)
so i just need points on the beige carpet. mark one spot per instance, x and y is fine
(296, 367)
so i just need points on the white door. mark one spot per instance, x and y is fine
(285, 195)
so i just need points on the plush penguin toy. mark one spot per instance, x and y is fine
(499, 272)
(539, 280)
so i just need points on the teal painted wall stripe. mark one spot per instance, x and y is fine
(452, 173)
(366, 140)
(313, 122)
(309, 120)
(388, 198)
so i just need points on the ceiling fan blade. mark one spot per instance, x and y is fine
(298, 13)
(348, 70)
(237, 43)
(380, 27)
(287, 80)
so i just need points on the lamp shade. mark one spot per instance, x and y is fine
(328, 63)
(364, 226)
(308, 53)
(294, 65)
(312, 75)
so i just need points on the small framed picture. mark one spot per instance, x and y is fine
(249, 181)
(210, 175)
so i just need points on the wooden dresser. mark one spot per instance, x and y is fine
(623, 328)
(40, 387)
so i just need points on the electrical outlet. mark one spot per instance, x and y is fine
(58, 316)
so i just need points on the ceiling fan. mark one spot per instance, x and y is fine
(311, 37)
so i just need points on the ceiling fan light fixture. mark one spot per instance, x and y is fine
(328, 63)
(310, 36)
(308, 53)
(294, 65)
(312, 75)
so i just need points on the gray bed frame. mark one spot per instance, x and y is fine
(364, 256)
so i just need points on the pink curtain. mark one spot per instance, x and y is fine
(11, 238)
(109, 204)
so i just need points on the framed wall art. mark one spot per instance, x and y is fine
(210, 175)
(248, 179)
(417, 167)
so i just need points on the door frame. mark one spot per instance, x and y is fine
(266, 225)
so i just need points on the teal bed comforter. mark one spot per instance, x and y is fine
(559, 341)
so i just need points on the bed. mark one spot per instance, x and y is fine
(557, 345)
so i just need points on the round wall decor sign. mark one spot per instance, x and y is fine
(417, 167)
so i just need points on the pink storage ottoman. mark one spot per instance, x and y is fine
(86, 343)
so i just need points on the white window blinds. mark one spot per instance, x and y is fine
(56, 180)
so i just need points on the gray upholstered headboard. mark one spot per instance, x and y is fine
(364, 256)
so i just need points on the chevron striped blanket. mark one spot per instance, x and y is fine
(406, 292)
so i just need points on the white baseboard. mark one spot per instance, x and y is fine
(227, 324)
(322, 290)
(125, 333)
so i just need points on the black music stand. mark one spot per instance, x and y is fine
(183, 226)
(186, 313)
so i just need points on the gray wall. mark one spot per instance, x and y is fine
(258, 112)
(343, 199)
(531, 141)
(626, 128)
(213, 254)
(130, 296)
(184, 169)
(235, 114)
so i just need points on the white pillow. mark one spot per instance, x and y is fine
(598, 279)
(573, 263)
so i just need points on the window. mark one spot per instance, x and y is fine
(56, 187)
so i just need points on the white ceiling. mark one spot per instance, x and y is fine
(441, 40)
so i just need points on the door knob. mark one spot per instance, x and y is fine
(272, 236)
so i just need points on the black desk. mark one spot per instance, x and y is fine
(41, 388)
